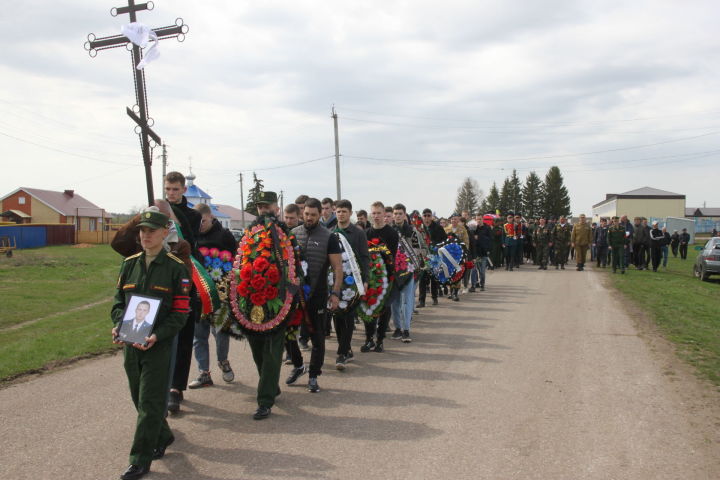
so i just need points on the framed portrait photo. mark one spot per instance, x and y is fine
(138, 318)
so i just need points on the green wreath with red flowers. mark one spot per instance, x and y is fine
(380, 281)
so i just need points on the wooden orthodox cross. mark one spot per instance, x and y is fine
(139, 112)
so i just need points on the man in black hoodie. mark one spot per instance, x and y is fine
(389, 237)
(189, 229)
(345, 321)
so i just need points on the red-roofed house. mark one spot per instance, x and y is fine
(36, 206)
(236, 216)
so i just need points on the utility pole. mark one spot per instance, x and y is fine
(164, 170)
(282, 206)
(242, 202)
(337, 154)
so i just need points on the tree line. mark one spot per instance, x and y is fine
(532, 199)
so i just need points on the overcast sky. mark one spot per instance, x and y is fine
(618, 94)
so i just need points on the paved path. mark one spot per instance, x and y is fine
(543, 376)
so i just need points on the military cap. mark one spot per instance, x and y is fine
(266, 197)
(615, 217)
(151, 217)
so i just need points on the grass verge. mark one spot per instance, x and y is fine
(54, 341)
(686, 310)
(41, 322)
(40, 282)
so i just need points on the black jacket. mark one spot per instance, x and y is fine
(358, 241)
(404, 230)
(436, 232)
(600, 236)
(189, 223)
(482, 240)
(218, 237)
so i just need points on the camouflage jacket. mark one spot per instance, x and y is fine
(542, 235)
(561, 235)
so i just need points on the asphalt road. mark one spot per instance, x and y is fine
(543, 376)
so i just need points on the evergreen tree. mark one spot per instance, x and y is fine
(515, 193)
(492, 201)
(532, 196)
(556, 201)
(468, 196)
(253, 194)
(504, 203)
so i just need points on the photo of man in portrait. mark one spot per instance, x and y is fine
(136, 328)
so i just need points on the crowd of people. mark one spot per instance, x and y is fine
(300, 275)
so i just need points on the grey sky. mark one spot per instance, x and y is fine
(427, 93)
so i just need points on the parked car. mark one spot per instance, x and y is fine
(708, 260)
(237, 234)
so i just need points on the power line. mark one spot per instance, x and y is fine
(259, 169)
(447, 163)
(545, 157)
(502, 130)
(530, 124)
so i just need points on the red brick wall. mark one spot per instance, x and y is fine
(13, 203)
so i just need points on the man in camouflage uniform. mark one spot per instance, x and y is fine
(581, 239)
(617, 241)
(561, 241)
(542, 241)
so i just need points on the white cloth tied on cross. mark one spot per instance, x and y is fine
(140, 34)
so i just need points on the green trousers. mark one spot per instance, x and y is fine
(581, 253)
(541, 255)
(267, 351)
(618, 257)
(148, 374)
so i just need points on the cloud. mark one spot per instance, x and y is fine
(457, 88)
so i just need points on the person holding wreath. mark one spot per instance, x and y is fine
(218, 246)
(160, 274)
(320, 248)
(345, 321)
(266, 295)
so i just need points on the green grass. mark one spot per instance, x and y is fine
(40, 282)
(686, 310)
(46, 284)
(55, 340)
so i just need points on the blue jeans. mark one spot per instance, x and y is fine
(202, 348)
(480, 268)
(403, 306)
(664, 250)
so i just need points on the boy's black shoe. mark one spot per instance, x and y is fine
(262, 413)
(369, 345)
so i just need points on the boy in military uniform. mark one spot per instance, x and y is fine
(617, 244)
(156, 273)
